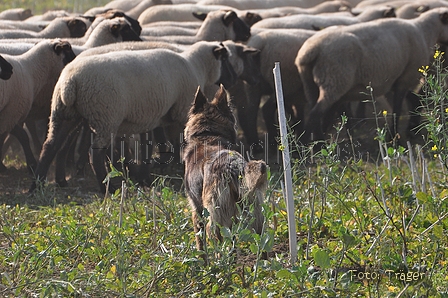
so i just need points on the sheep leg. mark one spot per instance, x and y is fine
(269, 110)
(57, 136)
(83, 150)
(98, 160)
(247, 115)
(31, 126)
(61, 157)
(144, 177)
(413, 101)
(22, 136)
(2, 140)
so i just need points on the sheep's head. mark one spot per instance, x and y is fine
(122, 28)
(77, 27)
(228, 75)
(245, 61)
(242, 30)
(5, 69)
(62, 47)
(114, 13)
(25, 14)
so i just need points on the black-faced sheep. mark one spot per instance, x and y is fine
(33, 72)
(338, 64)
(59, 27)
(108, 92)
(217, 25)
(16, 14)
(107, 32)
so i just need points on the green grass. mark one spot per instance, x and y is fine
(41, 6)
(354, 220)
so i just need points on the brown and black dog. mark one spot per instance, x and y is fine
(217, 178)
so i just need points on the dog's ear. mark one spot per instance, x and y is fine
(199, 101)
(221, 99)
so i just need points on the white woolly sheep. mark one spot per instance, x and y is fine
(337, 64)
(416, 8)
(108, 92)
(178, 13)
(60, 27)
(267, 42)
(31, 26)
(34, 71)
(394, 3)
(328, 6)
(143, 5)
(217, 25)
(15, 14)
(107, 32)
(313, 22)
(48, 16)
(256, 4)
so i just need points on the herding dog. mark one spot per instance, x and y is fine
(217, 178)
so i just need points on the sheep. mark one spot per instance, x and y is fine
(337, 64)
(268, 42)
(256, 4)
(328, 6)
(145, 4)
(60, 27)
(34, 72)
(114, 13)
(313, 22)
(48, 16)
(107, 91)
(107, 32)
(178, 13)
(16, 14)
(414, 9)
(31, 26)
(217, 25)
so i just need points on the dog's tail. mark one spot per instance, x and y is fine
(256, 179)
(256, 175)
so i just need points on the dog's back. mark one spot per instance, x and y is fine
(216, 177)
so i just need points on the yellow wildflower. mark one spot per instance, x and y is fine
(446, 110)
(424, 70)
(434, 148)
(438, 53)
(384, 113)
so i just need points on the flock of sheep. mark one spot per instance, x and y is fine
(133, 66)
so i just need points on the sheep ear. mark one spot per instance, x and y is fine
(200, 15)
(422, 8)
(229, 17)
(220, 52)
(444, 18)
(389, 12)
(88, 18)
(251, 51)
(199, 101)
